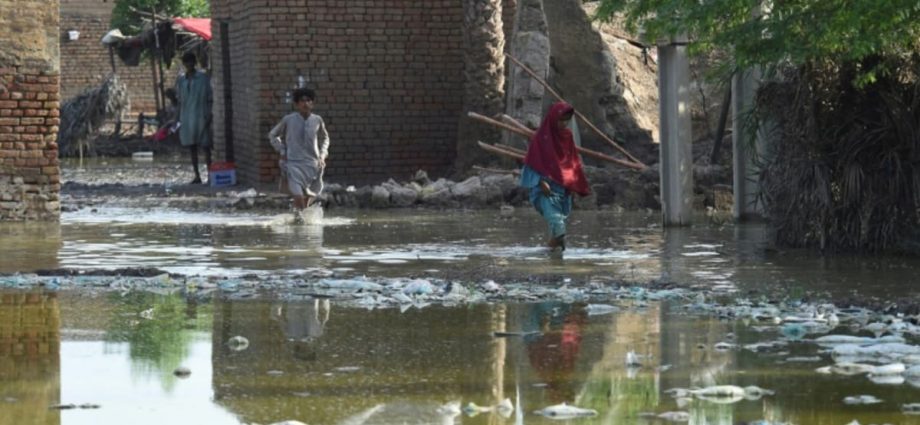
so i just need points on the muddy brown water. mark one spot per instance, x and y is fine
(476, 245)
(320, 363)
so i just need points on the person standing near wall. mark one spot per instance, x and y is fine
(303, 150)
(193, 90)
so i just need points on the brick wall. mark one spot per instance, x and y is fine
(29, 110)
(388, 75)
(85, 62)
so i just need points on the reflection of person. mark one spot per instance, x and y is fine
(553, 171)
(303, 149)
(554, 352)
(193, 89)
(303, 323)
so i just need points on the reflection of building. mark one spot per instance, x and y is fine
(420, 357)
(29, 358)
(29, 246)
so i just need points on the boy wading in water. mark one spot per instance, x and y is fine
(303, 150)
(552, 172)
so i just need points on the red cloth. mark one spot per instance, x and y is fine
(161, 134)
(553, 154)
(200, 26)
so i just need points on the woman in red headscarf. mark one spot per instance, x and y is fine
(553, 171)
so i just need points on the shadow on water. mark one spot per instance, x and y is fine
(321, 363)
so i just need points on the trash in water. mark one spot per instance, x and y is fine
(449, 409)
(504, 334)
(632, 359)
(347, 369)
(861, 399)
(142, 156)
(565, 411)
(238, 343)
(599, 309)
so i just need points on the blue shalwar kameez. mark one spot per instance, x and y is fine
(555, 207)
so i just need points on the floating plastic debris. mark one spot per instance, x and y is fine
(565, 411)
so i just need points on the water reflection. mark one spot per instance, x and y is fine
(302, 323)
(158, 331)
(29, 246)
(29, 358)
(554, 349)
(318, 362)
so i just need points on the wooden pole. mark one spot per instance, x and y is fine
(518, 124)
(511, 128)
(603, 157)
(720, 130)
(500, 151)
(495, 170)
(153, 69)
(517, 130)
(577, 114)
(112, 59)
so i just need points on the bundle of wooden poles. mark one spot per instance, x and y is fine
(510, 124)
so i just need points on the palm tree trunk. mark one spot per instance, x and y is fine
(484, 74)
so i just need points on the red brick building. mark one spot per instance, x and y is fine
(85, 61)
(388, 76)
(29, 110)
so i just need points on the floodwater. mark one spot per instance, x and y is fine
(396, 243)
(320, 363)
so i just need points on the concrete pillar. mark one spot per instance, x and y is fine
(745, 146)
(676, 158)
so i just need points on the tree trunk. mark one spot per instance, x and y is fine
(484, 73)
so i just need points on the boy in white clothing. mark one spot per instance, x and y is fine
(303, 149)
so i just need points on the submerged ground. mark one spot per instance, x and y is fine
(357, 317)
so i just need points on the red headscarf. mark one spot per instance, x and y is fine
(553, 154)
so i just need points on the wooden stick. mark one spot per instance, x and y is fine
(603, 157)
(588, 152)
(500, 151)
(578, 114)
(511, 128)
(511, 149)
(518, 124)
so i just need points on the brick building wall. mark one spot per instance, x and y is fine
(29, 110)
(388, 75)
(85, 62)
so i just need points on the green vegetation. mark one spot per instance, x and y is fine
(840, 104)
(794, 32)
(159, 330)
(125, 16)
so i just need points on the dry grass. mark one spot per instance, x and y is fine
(82, 116)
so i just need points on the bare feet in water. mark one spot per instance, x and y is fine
(557, 242)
